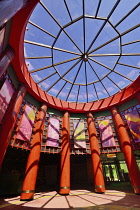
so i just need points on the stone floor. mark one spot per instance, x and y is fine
(77, 199)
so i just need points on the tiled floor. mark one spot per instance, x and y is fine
(78, 199)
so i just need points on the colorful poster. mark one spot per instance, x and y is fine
(6, 93)
(53, 133)
(79, 135)
(133, 121)
(25, 128)
(106, 133)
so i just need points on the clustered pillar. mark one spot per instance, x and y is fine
(65, 156)
(28, 188)
(127, 149)
(95, 156)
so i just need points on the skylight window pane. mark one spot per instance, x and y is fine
(101, 92)
(91, 76)
(122, 9)
(34, 34)
(37, 63)
(131, 48)
(108, 61)
(75, 8)
(59, 56)
(44, 20)
(82, 97)
(129, 22)
(73, 94)
(119, 80)
(71, 75)
(105, 7)
(38, 76)
(91, 7)
(130, 60)
(45, 85)
(131, 36)
(110, 86)
(31, 50)
(91, 93)
(56, 88)
(81, 76)
(129, 72)
(59, 12)
(64, 93)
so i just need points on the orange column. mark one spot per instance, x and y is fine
(5, 60)
(9, 120)
(127, 149)
(65, 156)
(28, 188)
(95, 156)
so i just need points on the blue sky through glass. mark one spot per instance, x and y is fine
(83, 50)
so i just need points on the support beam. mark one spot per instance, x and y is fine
(65, 157)
(9, 120)
(127, 149)
(29, 183)
(95, 156)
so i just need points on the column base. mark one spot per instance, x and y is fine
(100, 189)
(27, 195)
(64, 190)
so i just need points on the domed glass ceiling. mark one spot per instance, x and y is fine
(83, 50)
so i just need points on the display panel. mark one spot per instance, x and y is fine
(53, 133)
(79, 135)
(133, 121)
(25, 128)
(6, 93)
(106, 133)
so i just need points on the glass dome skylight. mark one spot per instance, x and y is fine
(83, 50)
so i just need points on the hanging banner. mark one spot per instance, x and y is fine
(79, 135)
(25, 128)
(6, 93)
(53, 133)
(106, 133)
(133, 121)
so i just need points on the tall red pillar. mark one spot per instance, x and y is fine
(127, 149)
(65, 156)
(95, 156)
(5, 60)
(9, 120)
(28, 188)
(9, 8)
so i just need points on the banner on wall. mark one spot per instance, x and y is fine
(53, 133)
(106, 133)
(25, 128)
(6, 93)
(133, 121)
(79, 135)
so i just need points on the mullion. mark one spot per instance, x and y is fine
(59, 25)
(95, 91)
(84, 26)
(101, 64)
(35, 25)
(127, 14)
(131, 42)
(86, 81)
(78, 94)
(98, 8)
(123, 76)
(56, 64)
(103, 25)
(129, 65)
(50, 47)
(75, 78)
(68, 10)
(60, 89)
(63, 75)
(46, 77)
(114, 83)
(40, 57)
